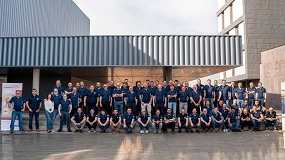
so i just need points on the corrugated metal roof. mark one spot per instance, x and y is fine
(77, 51)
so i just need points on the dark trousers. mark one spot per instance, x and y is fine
(203, 126)
(215, 103)
(245, 123)
(64, 119)
(183, 125)
(90, 106)
(168, 125)
(107, 107)
(195, 126)
(73, 111)
(251, 102)
(93, 126)
(160, 106)
(197, 108)
(31, 117)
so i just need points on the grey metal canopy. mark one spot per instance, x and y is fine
(88, 51)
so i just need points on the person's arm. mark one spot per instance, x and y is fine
(59, 108)
(24, 106)
(190, 121)
(141, 99)
(200, 99)
(52, 107)
(178, 121)
(120, 120)
(210, 120)
(202, 120)
(214, 94)
(83, 120)
(95, 119)
(108, 119)
(87, 120)
(40, 106)
(84, 102)
(148, 120)
(100, 101)
(165, 101)
(151, 98)
(187, 121)
(154, 100)
(28, 106)
(70, 108)
(251, 116)
(111, 120)
(165, 120)
(139, 121)
(72, 120)
(99, 121)
(199, 121)
(220, 95)
(261, 117)
(229, 121)
(111, 101)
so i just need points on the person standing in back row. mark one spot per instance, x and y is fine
(34, 104)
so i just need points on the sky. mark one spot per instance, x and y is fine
(151, 17)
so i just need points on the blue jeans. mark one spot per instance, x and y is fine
(64, 119)
(172, 106)
(20, 118)
(240, 102)
(271, 123)
(49, 120)
(251, 102)
(215, 124)
(54, 115)
(104, 128)
(256, 124)
(31, 116)
(261, 102)
(235, 125)
(129, 128)
(119, 106)
(144, 128)
(227, 102)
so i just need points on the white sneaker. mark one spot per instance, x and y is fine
(154, 131)
(146, 131)
(226, 130)
(159, 132)
(89, 131)
(142, 132)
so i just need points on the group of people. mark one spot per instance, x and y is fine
(153, 104)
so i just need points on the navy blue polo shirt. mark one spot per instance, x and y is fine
(200, 88)
(144, 118)
(194, 118)
(129, 118)
(111, 88)
(256, 114)
(172, 93)
(217, 116)
(125, 89)
(153, 90)
(156, 117)
(106, 96)
(240, 93)
(69, 89)
(82, 91)
(60, 89)
(206, 117)
(159, 96)
(195, 95)
(233, 91)
(225, 92)
(169, 116)
(34, 102)
(183, 118)
(189, 90)
(233, 117)
(251, 96)
(177, 88)
(65, 105)
(217, 91)
(118, 91)
(78, 117)
(115, 118)
(270, 115)
(167, 88)
(183, 96)
(225, 113)
(209, 91)
(146, 95)
(260, 92)
(91, 117)
(56, 100)
(74, 97)
(244, 116)
(137, 90)
(131, 98)
(91, 96)
(99, 90)
(17, 103)
(103, 118)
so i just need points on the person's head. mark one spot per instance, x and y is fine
(129, 110)
(92, 111)
(233, 83)
(115, 111)
(183, 111)
(164, 83)
(147, 81)
(126, 81)
(216, 110)
(157, 112)
(64, 97)
(55, 91)
(183, 89)
(98, 84)
(256, 103)
(239, 84)
(77, 84)
(208, 103)
(204, 111)
(138, 83)
(233, 110)
(105, 86)
(186, 84)
(103, 112)
(216, 82)
(221, 103)
(194, 87)
(234, 102)
(57, 83)
(168, 111)
(159, 87)
(145, 85)
(245, 111)
(125, 85)
(175, 82)
(270, 109)
(91, 87)
(34, 92)
(69, 84)
(194, 111)
(254, 108)
(118, 85)
(79, 110)
(224, 82)
(131, 89)
(209, 82)
(170, 82)
(74, 90)
(224, 106)
(171, 87)
(49, 96)
(156, 82)
(143, 111)
(198, 81)
(152, 83)
(111, 83)
(82, 84)
(246, 102)
(251, 85)
(259, 84)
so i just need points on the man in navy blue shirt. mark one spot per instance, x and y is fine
(183, 98)
(137, 89)
(58, 87)
(183, 121)
(233, 92)
(118, 96)
(115, 121)
(78, 120)
(234, 120)
(106, 99)
(194, 121)
(251, 94)
(103, 121)
(82, 90)
(225, 112)
(217, 93)
(261, 94)
(157, 122)
(64, 110)
(125, 88)
(34, 104)
(159, 100)
(92, 121)
(144, 122)
(75, 99)
(225, 93)
(146, 99)
(129, 121)
(209, 93)
(196, 98)
(271, 119)
(240, 95)
(245, 119)
(91, 100)
(172, 96)
(169, 121)
(68, 90)
(217, 119)
(205, 121)
(17, 103)
(98, 88)
(256, 118)
(131, 99)
(56, 98)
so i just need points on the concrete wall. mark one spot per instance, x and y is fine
(272, 73)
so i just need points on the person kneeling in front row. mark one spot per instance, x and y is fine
(92, 121)
(115, 121)
(169, 121)
(271, 119)
(205, 121)
(183, 121)
(78, 120)
(194, 121)
(144, 122)
(129, 121)
(217, 120)
(103, 121)
(256, 118)
(157, 122)
(234, 120)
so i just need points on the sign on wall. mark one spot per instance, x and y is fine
(8, 91)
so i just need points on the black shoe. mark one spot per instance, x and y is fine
(80, 131)
(12, 132)
(197, 131)
(49, 131)
(187, 131)
(69, 130)
(60, 130)
(173, 131)
(191, 131)
(258, 129)
(76, 131)
(179, 131)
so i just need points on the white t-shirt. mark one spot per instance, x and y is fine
(49, 106)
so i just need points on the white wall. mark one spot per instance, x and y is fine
(220, 3)
(241, 70)
(220, 23)
(227, 17)
(237, 9)
(241, 31)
